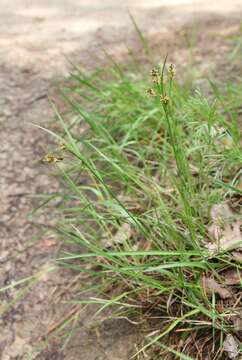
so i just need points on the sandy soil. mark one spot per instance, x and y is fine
(35, 38)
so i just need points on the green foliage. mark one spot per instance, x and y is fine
(142, 171)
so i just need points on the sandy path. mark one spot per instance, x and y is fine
(36, 34)
(35, 37)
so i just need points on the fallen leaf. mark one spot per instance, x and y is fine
(231, 347)
(236, 201)
(18, 348)
(237, 320)
(211, 286)
(233, 277)
(221, 212)
(225, 230)
(122, 235)
(237, 324)
(237, 256)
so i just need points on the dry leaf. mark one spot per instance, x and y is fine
(237, 320)
(231, 347)
(220, 212)
(211, 286)
(237, 256)
(224, 230)
(237, 324)
(122, 235)
(233, 277)
(19, 348)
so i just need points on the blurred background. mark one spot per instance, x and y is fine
(39, 32)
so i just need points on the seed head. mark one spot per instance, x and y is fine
(62, 146)
(51, 159)
(150, 92)
(164, 99)
(171, 71)
(155, 76)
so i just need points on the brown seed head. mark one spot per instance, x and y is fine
(155, 76)
(62, 146)
(51, 159)
(164, 99)
(171, 71)
(150, 92)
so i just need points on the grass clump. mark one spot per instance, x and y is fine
(145, 161)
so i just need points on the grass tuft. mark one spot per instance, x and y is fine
(145, 160)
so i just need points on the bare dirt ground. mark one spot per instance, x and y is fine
(35, 37)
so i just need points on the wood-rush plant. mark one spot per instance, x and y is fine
(143, 170)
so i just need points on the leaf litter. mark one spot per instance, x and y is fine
(211, 286)
(225, 230)
(231, 347)
(120, 237)
(237, 255)
(233, 277)
(237, 320)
